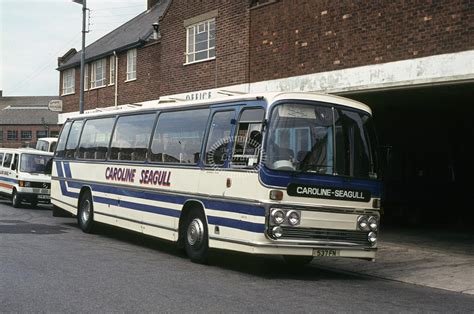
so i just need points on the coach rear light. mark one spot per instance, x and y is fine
(373, 223)
(278, 216)
(362, 223)
(293, 217)
(277, 232)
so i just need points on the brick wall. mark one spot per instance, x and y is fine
(4, 142)
(305, 36)
(282, 38)
(145, 87)
(231, 64)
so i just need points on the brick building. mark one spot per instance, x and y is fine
(25, 119)
(412, 62)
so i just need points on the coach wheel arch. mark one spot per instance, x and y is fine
(187, 208)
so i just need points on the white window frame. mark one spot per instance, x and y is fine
(69, 76)
(131, 65)
(112, 70)
(86, 76)
(191, 32)
(100, 65)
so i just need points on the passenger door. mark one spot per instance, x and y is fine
(215, 160)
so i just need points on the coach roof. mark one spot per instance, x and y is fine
(169, 104)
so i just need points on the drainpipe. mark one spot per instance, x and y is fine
(116, 77)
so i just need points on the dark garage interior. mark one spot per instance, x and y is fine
(426, 134)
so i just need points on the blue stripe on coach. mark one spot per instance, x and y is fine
(174, 199)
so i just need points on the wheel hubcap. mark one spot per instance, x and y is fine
(195, 232)
(86, 211)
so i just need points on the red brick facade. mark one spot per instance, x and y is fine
(19, 142)
(277, 39)
(299, 37)
(232, 47)
(145, 87)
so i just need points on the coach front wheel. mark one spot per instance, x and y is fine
(196, 242)
(85, 213)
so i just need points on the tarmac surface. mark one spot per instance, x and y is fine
(48, 264)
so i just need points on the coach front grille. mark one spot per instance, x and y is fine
(332, 235)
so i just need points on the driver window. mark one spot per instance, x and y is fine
(248, 140)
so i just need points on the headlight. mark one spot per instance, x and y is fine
(373, 223)
(363, 223)
(277, 232)
(372, 237)
(278, 216)
(27, 184)
(293, 217)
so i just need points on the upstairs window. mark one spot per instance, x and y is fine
(131, 64)
(68, 82)
(98, 73)
(201, 41)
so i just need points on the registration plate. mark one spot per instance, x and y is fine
(43, 197)
(317, 252)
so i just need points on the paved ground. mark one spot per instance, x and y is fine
(47, 264)
(419, 256)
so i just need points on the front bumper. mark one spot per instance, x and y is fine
(321, 228)
(28, 196)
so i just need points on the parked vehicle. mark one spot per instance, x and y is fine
(25, 175)
(292, 174)
(47, 144)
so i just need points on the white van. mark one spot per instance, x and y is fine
(25, 175)
(47, 144)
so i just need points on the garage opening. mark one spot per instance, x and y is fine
(428, 133)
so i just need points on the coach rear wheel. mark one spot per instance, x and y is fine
(16, 201)
(85, 213)
(297, 260)
(196, 241)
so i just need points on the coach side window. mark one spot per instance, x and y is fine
(178, 136)
(60, 151)
(73, 138)
(248, 141)
(219, 138)
(95, 138)
(1, 159)
(131, 137)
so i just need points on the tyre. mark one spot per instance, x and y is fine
(59, 212)
(297, 260)
(196, 240)
(16, 201)
(85, 213)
